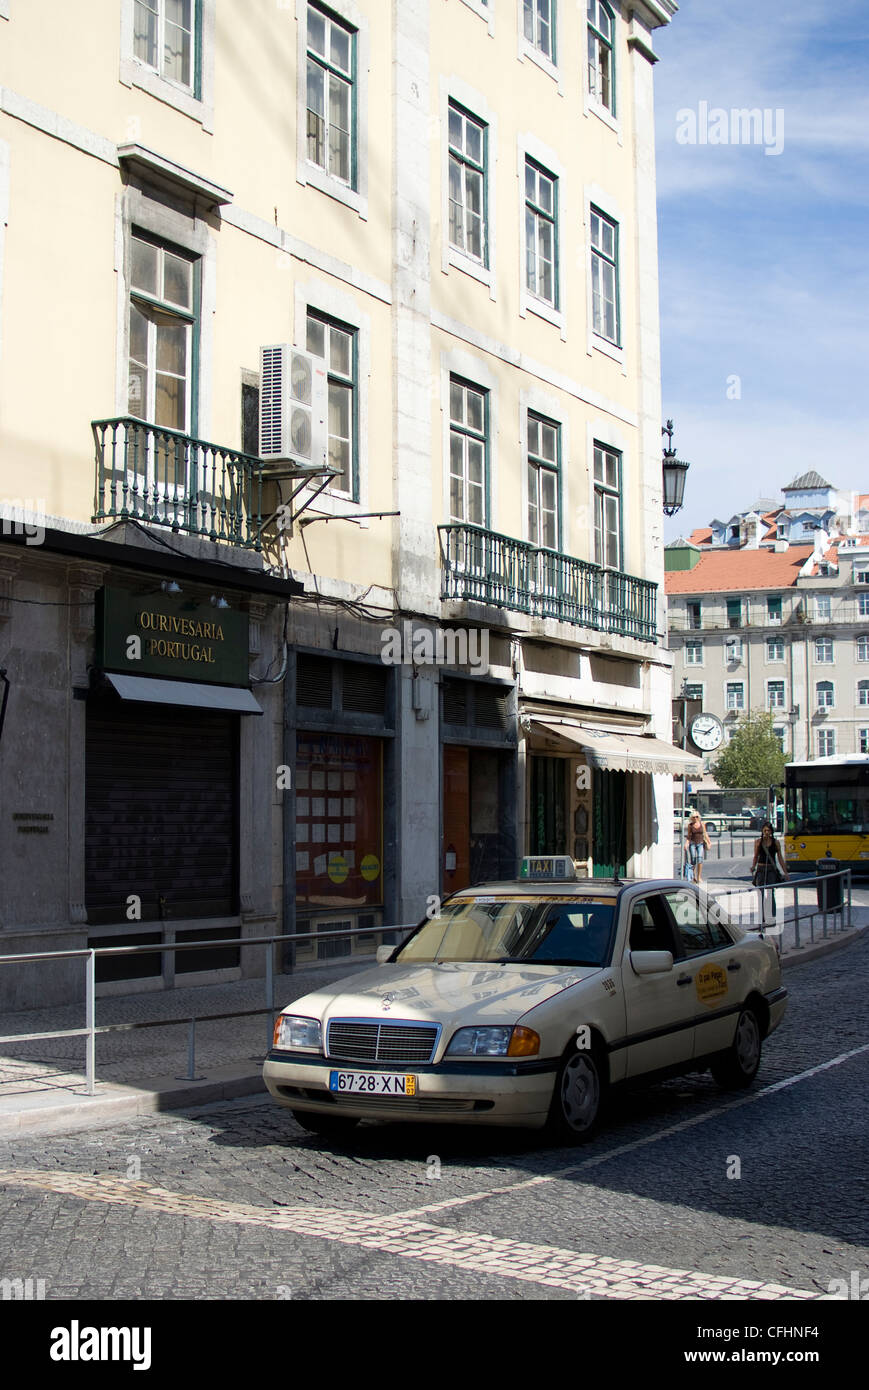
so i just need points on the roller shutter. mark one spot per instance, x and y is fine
(161, 812)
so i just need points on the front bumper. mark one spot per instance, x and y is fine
(503, 1092)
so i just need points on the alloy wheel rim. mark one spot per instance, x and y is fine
(748, 1042)
(580, 1092)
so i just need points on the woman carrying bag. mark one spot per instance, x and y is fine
(697, 842)
(764, 870)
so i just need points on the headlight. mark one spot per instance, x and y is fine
(494, 1042)
(294, 1032)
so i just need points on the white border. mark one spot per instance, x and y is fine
(817, 704)
(607, 433)
(454, 89)
(327, 299)
(529, 147)
(134, 73)
(540, 403)
(308, 173)
(728, 709)
(591, 106)
(595, 196)
(524, 49)
(485, 10)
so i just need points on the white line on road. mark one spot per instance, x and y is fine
(595, 1160)
(584, 1275)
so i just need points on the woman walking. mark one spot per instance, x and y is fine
(697, 842)
(765, 871)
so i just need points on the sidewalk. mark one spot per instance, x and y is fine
(42, 1084)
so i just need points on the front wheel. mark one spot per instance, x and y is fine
(735, 1069)
(577, 1098)
(329, 1126)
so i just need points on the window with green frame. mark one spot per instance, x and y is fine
(166, 37)
(162, 334)
(467, 184)
(607, 507)
(601, 72)
(338, 344)
(469, 449)
(541, 233)
(331, 79)
(542, 462)
(605, 276)
(538, 19)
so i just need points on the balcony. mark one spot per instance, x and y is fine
(484, 567)
(151, 474)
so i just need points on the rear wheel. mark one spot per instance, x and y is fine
(735, 1069)
(330, 1126)
(578, 1097)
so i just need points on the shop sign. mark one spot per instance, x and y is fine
(168, 635)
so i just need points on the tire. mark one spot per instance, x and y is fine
(577, 1097)
(329, 1126)
(735, 1069)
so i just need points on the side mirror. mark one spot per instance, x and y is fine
(383, 954)
(651, 962)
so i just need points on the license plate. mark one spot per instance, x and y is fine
(372, 1083)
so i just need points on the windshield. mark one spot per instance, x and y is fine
(567, 932)
(835, 808)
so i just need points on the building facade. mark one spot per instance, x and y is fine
(441, 653)
(761, 620)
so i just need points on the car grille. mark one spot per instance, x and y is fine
(381, 1042)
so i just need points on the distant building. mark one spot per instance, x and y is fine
(770, 610)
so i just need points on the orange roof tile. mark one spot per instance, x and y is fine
(701, 536)
(718, 571)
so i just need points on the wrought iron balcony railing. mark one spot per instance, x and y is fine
(488, 568)
(149, 473)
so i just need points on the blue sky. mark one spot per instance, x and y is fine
(765, 258)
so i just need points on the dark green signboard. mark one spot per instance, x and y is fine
(168, 635)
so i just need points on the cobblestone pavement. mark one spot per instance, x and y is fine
(687, 1193)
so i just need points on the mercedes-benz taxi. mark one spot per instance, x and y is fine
(522, 1003)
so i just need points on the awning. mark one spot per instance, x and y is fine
(612, 752)
(165, 692)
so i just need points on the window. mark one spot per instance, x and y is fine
(824, 650)
(541, 245)
(693, 653)
(693, 692)
(824, 694)
(607, 507)
(336, 342)
(694, 610)
(331, 74)
(775, 694)
(863, 692)
(165, 39)
(733, 649)
(162, 323)
(863, 648)
(469, 419)
(735, 695)
(600, 54)
(775, 649)
(779, 734)
(862, 739)
(604, 276)
(734, 612)
(863, 605)
(539, 26)
(542, 465)
(467, 184)
(826, 743)
(773, 608)
(822, 608)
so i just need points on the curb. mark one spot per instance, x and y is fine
(823, 947)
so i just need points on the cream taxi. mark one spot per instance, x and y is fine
(523, 1003)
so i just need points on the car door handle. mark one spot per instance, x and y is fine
(734, 965)
(684, 980)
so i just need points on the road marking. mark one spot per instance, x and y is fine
(585, 1275)
(596, 1160)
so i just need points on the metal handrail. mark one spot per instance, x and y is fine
(89, 954)
(794, 885)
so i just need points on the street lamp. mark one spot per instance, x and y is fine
(674, 475)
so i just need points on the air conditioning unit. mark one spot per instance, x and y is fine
(293, 408)
(733, 650)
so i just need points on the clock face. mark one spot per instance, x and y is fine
(707, 732)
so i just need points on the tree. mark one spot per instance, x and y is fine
(753, 757)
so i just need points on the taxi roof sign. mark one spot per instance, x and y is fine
(556, 867)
